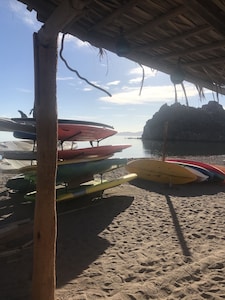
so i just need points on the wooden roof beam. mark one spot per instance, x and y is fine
(174, 39)
(209, 12)
(203, 62)
(42, 7)
(61, 17)
(119, 11)
(212, 46)
(156, 22)
(207, 74)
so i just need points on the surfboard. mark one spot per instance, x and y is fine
(200, 176)
(87, 188)
(216, 173)
(160, 171)
(220, 167)
(99, 151)
(194, 168)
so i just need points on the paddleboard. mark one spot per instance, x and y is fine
(200, 176)
(204, 173)
(220, 167)
(86, 189)
(218, 175)
(100, 151)
(160, 171)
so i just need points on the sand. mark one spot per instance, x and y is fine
(141, 241)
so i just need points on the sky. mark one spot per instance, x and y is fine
(126, 110)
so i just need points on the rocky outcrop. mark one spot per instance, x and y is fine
(187, 123)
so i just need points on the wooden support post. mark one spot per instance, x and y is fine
(44, 281)
(45, 58)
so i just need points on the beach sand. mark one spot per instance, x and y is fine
(141, 241)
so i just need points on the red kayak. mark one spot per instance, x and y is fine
(79, 132)
(68, 130)
(77, 153)
(95, 151)
(73, 132)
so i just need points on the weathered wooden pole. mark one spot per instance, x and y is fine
(43, 281)
(45, 219)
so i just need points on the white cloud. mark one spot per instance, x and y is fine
(29, 18)
(150, 94)
(105, 107)
(81, 44)
(65, 78)
(75, 42)
(135, 80)
(138, 71)
(115, 82)
(87, 89)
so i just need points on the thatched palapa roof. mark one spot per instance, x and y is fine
(166, 35)
(182, 38)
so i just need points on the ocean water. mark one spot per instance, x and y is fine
(153, 149)
(157, 149)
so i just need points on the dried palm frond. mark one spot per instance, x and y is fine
(200, 92)
(185, 94)
(143, 78)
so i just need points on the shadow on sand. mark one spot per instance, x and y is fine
(183, 190)
(78, 244)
